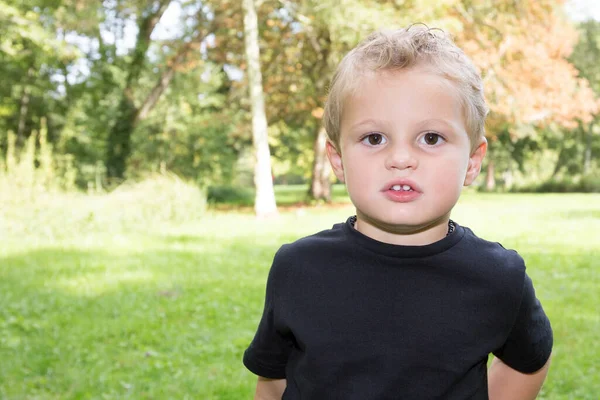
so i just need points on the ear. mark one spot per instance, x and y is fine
(475, 161)
(335, 159)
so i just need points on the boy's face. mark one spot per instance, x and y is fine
(404, 154)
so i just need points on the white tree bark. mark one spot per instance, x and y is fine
(264, 202)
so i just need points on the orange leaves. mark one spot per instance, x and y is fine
(522, 56)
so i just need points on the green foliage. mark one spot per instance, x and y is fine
(550, 159)
(33, 60)
(193, 135)
(165, 310)
(21, 28)
(587, 51)
(292, 150)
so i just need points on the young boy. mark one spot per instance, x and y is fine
(400, 302)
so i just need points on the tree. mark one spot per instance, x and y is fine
(30, 54)
(181, 100)
(129, 114)
(264, 203)
(299, 75)
(585, 57)
(521, 49)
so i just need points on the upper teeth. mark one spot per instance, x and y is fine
(401, 187)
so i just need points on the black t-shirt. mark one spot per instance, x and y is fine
(348, 317)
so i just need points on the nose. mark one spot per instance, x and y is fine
(400, 157)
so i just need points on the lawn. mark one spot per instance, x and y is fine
(165, 311)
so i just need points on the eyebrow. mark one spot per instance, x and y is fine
(369, 121)
(438, 120)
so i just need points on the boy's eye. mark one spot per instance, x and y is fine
(374, 139)
(431, 138)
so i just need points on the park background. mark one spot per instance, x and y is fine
(155, 154)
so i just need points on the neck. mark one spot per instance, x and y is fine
(405, 235)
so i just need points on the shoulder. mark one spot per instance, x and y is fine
(307, 256)
(502, 271)
(494, 254)
(325, 240)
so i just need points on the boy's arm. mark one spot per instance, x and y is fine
(269, 389)
(505, 383)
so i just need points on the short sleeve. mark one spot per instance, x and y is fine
(529, 343)
(269, 351)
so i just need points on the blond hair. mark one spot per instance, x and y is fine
(399, 49)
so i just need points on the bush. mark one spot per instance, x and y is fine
(290, 178)
(231, 195)
(557, 186)
(590, 184)
(587, 184)
(158, 199)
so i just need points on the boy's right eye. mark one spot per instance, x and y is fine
(374, 139)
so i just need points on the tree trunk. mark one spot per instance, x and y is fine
(119, 139)
(264, 202)
(587, 155)
(490, 180)
(24, 108)
(155, 94)
(23, 113)
(320, 187)
(320, 183)
(167, 76)
(508, 179)
(559, 162)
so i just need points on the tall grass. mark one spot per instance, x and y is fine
(161, 199)
(34, 168)
(38, 196)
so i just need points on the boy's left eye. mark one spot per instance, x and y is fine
(431, 139)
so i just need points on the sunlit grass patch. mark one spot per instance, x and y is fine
(93, 284)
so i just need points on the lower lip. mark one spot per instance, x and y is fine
(402, 196)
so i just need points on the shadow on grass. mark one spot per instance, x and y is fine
(154, 324)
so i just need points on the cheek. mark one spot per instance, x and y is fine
(358, 175)
(352, 173)
(451, 173)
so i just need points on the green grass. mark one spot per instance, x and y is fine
(164, 311)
